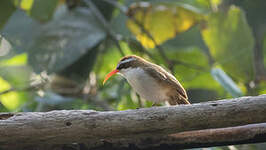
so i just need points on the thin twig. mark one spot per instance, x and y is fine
(29, 88)
(105, 24)
(7, 91)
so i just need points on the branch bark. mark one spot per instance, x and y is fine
(147, 128)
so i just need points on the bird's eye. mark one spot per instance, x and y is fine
(123, 65)
(119, 66)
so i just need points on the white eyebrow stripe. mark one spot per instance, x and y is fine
(125, 61)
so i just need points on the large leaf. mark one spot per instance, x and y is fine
(20, 31)
(162, 21)
(230, 41)
(6, 10)
(61, 42)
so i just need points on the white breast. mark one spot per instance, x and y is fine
(144, 84)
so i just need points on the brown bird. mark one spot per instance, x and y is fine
(150, 81)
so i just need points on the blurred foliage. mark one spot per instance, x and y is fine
(176, 19)
(54, 54)
(229, 38)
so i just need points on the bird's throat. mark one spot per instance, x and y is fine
(144, 84)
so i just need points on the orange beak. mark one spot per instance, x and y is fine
(109, 75)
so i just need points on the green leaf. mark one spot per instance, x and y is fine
(62, 42)
(43, 9)
(187, 75)
(194, 78)
(229, 85)
(230, 41)
(186, 40)
(24, 4)
(6, 10)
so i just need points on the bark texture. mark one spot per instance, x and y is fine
(147, 128)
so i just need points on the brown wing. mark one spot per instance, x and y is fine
(179, 95)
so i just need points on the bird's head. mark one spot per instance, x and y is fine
(124, 65)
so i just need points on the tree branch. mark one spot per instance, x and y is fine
(252, 133)
(143, 128)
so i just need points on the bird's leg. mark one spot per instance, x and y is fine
(139, 101)
(155, 104)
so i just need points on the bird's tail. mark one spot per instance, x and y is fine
(178, 100)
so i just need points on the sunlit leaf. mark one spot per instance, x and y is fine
(26, 4)
(163, 22)
(9, 100)
(229, 38)
(6, 10)
(63, 41)
(226, 82)
(17, 60)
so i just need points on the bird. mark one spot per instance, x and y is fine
(150, 81)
